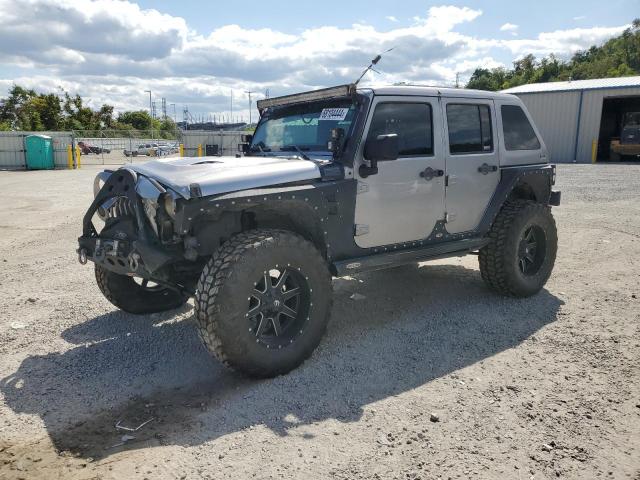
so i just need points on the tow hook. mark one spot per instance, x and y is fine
(82, 256)
(134, 261)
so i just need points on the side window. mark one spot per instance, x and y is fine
(518, 132)
(469, 128)
(411, 121)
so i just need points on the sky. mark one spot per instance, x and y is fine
(198, 54)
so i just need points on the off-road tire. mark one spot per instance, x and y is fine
(499, 265)
(225, 286)
(123, 292)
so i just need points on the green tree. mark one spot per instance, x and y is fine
(617, 57)
(140, 120)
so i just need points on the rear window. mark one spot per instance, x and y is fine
(518, 132)
(469, 128)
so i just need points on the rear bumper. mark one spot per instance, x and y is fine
(554, 198)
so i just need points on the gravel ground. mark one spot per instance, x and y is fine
(429, 376)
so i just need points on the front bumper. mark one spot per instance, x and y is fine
(128, 245)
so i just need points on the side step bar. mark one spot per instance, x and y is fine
(402, 257)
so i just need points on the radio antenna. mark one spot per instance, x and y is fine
(371, 65)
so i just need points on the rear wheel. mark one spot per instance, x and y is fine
(263, 302)
(522, 250)
(134, 295)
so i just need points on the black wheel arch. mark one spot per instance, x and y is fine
(532, 183)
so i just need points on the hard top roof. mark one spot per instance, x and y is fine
(427, 90)
(342, 91)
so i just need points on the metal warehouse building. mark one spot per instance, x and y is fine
(578, 119)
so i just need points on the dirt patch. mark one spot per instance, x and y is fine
(423, 374)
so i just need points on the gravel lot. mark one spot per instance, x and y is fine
(544, 387)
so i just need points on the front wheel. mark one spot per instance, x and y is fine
(263, 302)
(522, 250)
(138, 297)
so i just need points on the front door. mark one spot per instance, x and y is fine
(471, 161)
(397, 204)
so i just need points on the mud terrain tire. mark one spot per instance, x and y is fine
(127, 295)
(241, 291)
(522, 250)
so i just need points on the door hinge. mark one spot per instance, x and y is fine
(360, 229)
(362, 187)
(449, 217)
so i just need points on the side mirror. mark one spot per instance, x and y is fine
(244, 147)
(382, 148)
(246, 138)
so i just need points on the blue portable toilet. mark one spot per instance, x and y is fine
(39, 152)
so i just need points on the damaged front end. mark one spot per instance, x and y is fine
(137, 238)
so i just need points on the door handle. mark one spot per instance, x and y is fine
(429, 173)
(485, 168)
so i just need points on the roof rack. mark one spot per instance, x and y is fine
(325, 93)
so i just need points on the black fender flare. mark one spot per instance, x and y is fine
(540, 178)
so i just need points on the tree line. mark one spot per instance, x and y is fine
(27, 110)
(618, 57)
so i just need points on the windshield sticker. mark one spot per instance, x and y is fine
(334, 114)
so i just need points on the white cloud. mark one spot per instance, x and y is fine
(511, 28)
(579, 17)
(110, 51)
(391, 18)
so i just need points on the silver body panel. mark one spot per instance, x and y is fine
(216, 175)
(397, 205)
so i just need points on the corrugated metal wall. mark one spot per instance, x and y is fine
(591, 114)
(12, 154)
(227, 141)
(556, 115)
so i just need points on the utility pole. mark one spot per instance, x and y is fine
(174, 112)
(249, 93)
(232, 104)
(150, 106)
(164, 108)
(457, 80)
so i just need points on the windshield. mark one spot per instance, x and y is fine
(305, 127)
(631, 118)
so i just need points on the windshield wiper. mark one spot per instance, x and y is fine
(284, 148)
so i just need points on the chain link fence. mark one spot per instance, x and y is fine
(117, 147)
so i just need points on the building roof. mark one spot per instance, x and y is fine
(595, 84)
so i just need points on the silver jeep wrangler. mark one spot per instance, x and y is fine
(333, 182)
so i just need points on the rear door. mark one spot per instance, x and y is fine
(472, 161)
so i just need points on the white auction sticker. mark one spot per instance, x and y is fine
(335, 114)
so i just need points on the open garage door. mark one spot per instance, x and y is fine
(618, 113)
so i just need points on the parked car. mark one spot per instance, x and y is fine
(86, 149)
(333, 183)
(148, 149)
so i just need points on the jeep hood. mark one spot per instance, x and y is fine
(215, 175)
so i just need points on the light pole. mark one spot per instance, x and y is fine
(232, 105)
(174, 112)
(150, 107)
(249, 93)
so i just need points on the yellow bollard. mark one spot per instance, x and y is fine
(594, 151)
(78, 156)
(182, 149)
(69, 157)
(199, 149)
